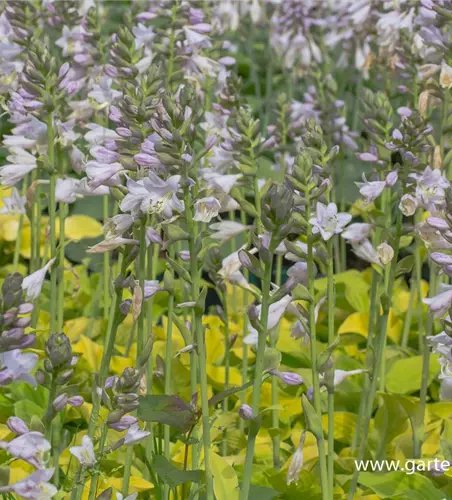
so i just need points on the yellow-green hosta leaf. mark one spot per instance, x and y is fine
(404, 375)
(225, 482)
(344, 426)
(78, 227)
(91, 353)
(397, 483)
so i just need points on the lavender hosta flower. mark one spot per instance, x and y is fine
(370, 191)
(430, 189)
(445, 77)
(296, 464)
(102, 91)
(408, 205)
(341, 375)
(298, 272)
(226, 229)
(154, 195)
(14, 204)
(275, 313)
(29, 447)
(34, 487)
(328, 221)
(289, 378)
(84, 453)
(20, 164)
(117, 225)
(365, 250)
(111, 244)
(103, 174)
(151, 287)
(135, 434)
(356, 232)
(99, 135)
(17, 425)
(245, 412)
(206, 209)
(67, 190)
(17, 365)
(440, 303)
(124, 423)
(32, 284)
(385, 253)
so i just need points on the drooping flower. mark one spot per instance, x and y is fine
(356, 232)
(32, 284)
(296, 464)
(14, 204)
(29, 447)
(408, 205)
(385, 253)
(206, 209)
(440, 303)
(17, 365)
(21, 164)
(226, 229)
(135, 434)
(328, 221)
(85, 452)
(34, 487)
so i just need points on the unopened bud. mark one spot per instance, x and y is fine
(17, 425)
(385, 253)
(245, 412)
(60, 402)
(288, 378)
(76, 401)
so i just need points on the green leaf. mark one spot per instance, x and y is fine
(395, 483)
(169, 410)
(272, 359)
(405, 375)
(313, 421)
(225, 482)
(24, 409)
(446, 440)
(404, 266)
(172, 475)
(262, 493)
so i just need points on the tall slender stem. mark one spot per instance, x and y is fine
(380, 342)
(198, 336)
(258, 373)
(426, 363)
(227, 363)
(331, 306)
(52, 221)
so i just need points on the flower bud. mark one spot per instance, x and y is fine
(17, 425)
(123, 424)
(76, 401)
(60, 402)
(408, 205)
(385, 253)
(245, 412)
(288, 378)
(58, 349)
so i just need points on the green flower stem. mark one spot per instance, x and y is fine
(62, 216)
(425, 364)
(172, 44)
(276, 441)
(313, 345)
(380, 343)
(52, 217)
(93, 485)
(140, 340)
(106, 264)
(168, 366)
(114, 321)
(258, 373)
(244, 370)
(331, 299)
(369, 348)
(18, 241)
(198, 336)
(227, 364)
